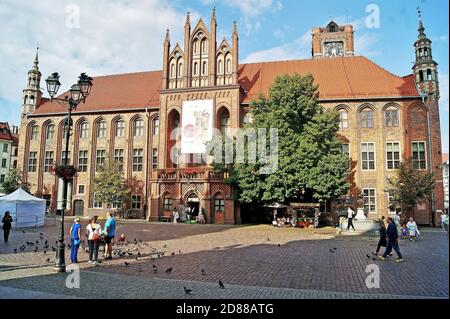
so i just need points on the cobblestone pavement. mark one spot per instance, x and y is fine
(253, 262)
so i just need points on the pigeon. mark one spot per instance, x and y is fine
(40, 237)
(46, 246)
(137, 258)
(268, 239)
(221, 284)
(203, 272)
(374, 258)
(169, 270)
(334, 249)
(368, 256)
(331, 251)
(139, 254)
(126, 264)
(130, 254)
(47, 260)
(187, 291)
(46, 242)
(173, 254)
(53, 248)
(279, 245)
(45, 252)
(37, 241)
(154, 266)
(179, 251)
(165, 246)
(23, 231)
(42, 234)
(162, 254)
(15, 250)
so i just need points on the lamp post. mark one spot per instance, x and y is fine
(78, 93)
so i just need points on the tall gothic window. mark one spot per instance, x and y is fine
(367, 118)
(84, 131)
(120, 128)
(343, 118)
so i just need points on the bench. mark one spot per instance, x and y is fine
(166, 216)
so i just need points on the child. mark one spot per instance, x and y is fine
(404, 231)
(122, 239)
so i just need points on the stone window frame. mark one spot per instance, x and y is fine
(368, 160)
(136, 201)
(119, 128)
(420, 161)
(48, 161)
(138, 160)
(50, 132)
(83, 159)
(34, 132)
(393, 160)
(369, 196)
(32, 161)
(119, 156)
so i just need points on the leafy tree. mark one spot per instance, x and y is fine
(13, 181)
(410, 187)
(309, 152)
(110, 186)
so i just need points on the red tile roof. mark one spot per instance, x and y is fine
(6, 136)
(338, 78)
(444, 157)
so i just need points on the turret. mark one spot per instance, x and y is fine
(32, 93)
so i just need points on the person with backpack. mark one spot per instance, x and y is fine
(94, 231)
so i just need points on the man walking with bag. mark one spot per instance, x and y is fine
(350, 214)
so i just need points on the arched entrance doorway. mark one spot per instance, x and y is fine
(78, 207)
(193, 205)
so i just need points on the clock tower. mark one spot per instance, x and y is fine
(332, 41)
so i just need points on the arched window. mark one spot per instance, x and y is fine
(343, 118)
(101, 132)
(34, 132)
(429, 75)
(32, 100)
(421, 78)
(155, 126)
(139, 127)
(220, 67)
(195, 46)
(25, 99)
(228, 65)
(50, 132)
(367, 118)
(224, 120)
(205, 68)
(84, 131)
(172, 70)
(180, 69)
(120, 128)
(391, 117)
(425, 51)
(204, 46)
(195, 68)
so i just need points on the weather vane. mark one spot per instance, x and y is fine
(419, 13)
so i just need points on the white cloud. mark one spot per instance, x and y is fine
(113, 37)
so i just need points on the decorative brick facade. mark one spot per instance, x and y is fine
(382, 115)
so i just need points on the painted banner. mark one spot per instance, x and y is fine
(197, 126)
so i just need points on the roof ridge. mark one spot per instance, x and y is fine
(299, 60)
(127, 73)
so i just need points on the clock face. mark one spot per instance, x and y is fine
(334, 49)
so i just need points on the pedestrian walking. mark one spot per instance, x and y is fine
(397, 223)
(412, 229)
(350, 215)
(7, 221)
(110, 233)
(446, 222)
(175, 216)
(94, 231)
(392, 243)
(382, 242)
(75, 235)
(443, 220)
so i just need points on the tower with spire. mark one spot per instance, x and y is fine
(425, 68)
(32, 93)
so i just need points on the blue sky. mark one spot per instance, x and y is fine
(108, 37)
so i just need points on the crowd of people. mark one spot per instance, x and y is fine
(187, 215)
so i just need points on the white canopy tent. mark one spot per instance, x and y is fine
(26, 210)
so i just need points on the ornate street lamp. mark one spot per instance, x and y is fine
(78, 93)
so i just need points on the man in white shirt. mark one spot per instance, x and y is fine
(350, 213)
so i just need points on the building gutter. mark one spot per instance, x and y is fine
(97, 112)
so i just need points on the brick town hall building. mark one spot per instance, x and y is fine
(129, 117)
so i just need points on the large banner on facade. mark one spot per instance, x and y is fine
(197, 126)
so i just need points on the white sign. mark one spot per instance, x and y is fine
(197, 126)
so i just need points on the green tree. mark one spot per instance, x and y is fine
(13, 181)
(309, 152)
(110, 186)
(410, 187)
